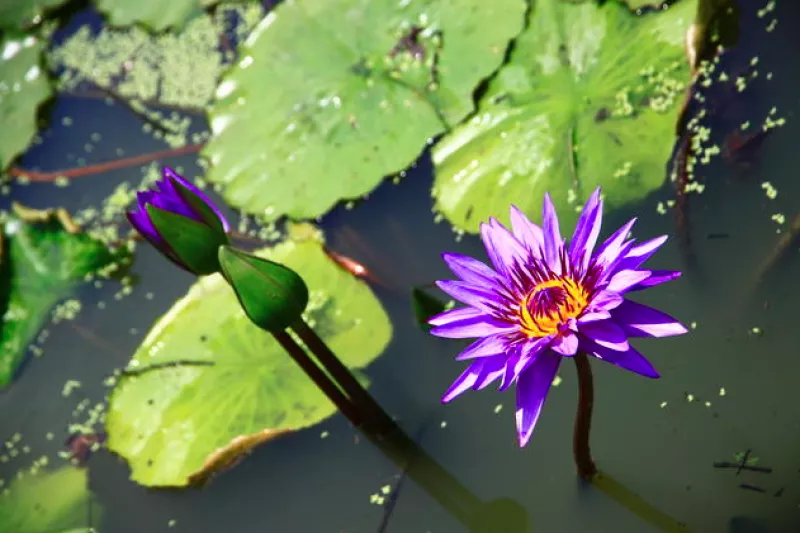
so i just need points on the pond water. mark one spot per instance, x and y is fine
(725, 389)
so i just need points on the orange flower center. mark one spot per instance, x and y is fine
(550, 304)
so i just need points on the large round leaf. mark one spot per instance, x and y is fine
(54, 501)
(177, 424)
(23, 87)
(589, 97)
(330, 96)
(43, 257)
(157, 15)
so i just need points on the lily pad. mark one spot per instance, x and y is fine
(220, 386)
(56, 501)
(589, 97)
(330, 96)
(157, 15)
(44, 257)
(16, 14)
(425, 306)
(23, 88)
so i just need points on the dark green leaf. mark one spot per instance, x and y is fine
(272, 295)
(42, 262)
(425, 306)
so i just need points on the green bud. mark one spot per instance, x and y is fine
(272, 295)
(195, 244)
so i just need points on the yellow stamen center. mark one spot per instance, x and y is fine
(549, 305)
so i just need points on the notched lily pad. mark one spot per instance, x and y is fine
(176, 425)
(44, 256)
(23, 88)
(55, 501)
(330, 96)
(570, 111)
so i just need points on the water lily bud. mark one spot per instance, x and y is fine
(272, 295)
(182, 223)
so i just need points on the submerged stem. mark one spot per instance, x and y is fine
(583, 419)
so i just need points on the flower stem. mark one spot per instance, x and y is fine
(319, 378)
(372, 412)
(583, 419)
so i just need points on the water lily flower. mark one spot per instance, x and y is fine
(182, 223)
(547, 299)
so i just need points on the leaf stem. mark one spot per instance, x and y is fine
(88, 170)
(374, 415)
(316, 374)
(583, 419)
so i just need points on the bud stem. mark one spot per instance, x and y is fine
(583, 419)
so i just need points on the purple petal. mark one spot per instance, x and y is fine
(528, 233)
(607, 334)
(509, 376)
(485, 347)
(565, 344)
(493, 369)
(466, 293)
(657, 277)
(480, 326)
(142, 224)
(594, 316)
(642, 252)
(639, 320)
(464, 382)
(504, 250)
(532, 387)
(529, 352)
(623, 280)
(605, 301)
(454, 315)
(630, 359)
(171, 175)
(586, 232)
(551, 234)
(469, 269)
(612, 248)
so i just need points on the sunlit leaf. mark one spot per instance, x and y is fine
(44, 258)
(57, 501)
(23, 88)
(590, 97)
(182, 421)
(330, 96)
(157, 15)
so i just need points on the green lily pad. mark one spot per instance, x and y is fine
(44, 257)
(330, 96)
(16, 14)
(183, 420)
(425, 306)
(158, 15)
(589, 97)
(23, 88)
(55, 501)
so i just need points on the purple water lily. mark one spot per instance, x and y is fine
(165, 195)
(547, 299)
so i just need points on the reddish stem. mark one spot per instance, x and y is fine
(88, 170)
(583, 419)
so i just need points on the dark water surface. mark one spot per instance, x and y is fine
(305, 484)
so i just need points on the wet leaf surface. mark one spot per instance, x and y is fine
(17, 14)
(577, 106)
(44, 258)
(156, 15)
(178, 424)
(336, 95)
(23, 88)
